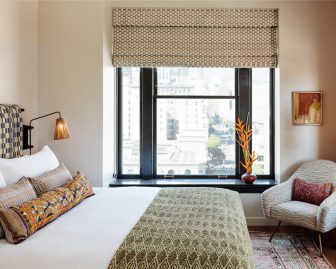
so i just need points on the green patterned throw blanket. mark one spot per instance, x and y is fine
(188, 228)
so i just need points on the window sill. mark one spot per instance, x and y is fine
(259, 186)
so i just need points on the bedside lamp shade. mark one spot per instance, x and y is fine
(61, 129)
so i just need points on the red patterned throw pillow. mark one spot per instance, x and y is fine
(311, 193)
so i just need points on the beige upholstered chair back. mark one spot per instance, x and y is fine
(316, 172)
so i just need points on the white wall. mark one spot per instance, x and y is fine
(76, 74)
(307, 62)
(19, 56)
(110, 124)
(71, 81)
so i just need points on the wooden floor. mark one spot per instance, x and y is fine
(329, 239)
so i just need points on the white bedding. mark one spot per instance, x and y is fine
(85, 237)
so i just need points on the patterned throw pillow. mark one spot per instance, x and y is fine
(15, 194)
(311, 193)
(51, 180)
(21, 221)
(80, 187)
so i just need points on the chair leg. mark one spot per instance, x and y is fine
(276, 229)
(320, 244)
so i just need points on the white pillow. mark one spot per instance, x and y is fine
(29, 165)
(2, 183)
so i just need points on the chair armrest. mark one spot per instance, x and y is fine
(326, 216)
(276, 195)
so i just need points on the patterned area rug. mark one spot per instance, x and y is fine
(287, 251)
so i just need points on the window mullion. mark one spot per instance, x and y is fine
(146, 123)
(272, 122)
(119, 131)
(154, 130)
(244, 80)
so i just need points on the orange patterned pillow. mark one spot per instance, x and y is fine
(80, 187)
(21, 221)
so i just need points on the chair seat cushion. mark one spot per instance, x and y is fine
(297, 213)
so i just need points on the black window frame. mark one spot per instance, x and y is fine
(148, 105)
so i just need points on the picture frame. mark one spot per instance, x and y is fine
(307, 108)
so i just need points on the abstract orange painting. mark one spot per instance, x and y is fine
(307, 108)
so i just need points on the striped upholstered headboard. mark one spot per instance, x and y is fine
(11, 131)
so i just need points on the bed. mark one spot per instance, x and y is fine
(137, 227)
(86, 236)
(90, 234)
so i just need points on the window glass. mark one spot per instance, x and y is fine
(130, 120)
(195, 136)
(261, 119)
(196, 81)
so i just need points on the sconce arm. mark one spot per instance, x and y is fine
(56, 112)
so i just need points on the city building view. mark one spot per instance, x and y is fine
(195, 135)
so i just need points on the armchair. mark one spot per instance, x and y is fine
(278, 204)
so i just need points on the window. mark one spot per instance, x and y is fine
(261, 123)
(194, 121)
(130, 126)
(179, 122)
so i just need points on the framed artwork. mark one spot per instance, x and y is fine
(307, 108)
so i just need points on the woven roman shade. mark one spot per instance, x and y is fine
(195, 37)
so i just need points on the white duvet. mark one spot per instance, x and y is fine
(86, 237)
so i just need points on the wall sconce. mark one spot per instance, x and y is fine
(61, 130)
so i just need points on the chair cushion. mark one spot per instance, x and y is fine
(297, 213)
(311, 193)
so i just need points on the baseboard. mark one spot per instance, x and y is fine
(260, 221)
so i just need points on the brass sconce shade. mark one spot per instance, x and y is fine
(61, 129)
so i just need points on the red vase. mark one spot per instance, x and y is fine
(248, 178)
